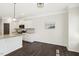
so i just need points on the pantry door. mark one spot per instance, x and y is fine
(6, 28)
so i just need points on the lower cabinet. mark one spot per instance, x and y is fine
(28, 37)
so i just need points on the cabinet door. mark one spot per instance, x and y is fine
(28, 37)
(2, 47)
(25, 37)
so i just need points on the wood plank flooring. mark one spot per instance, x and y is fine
(41, 49)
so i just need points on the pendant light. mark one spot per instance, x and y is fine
(14, 19)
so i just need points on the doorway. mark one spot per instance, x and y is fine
(6, 28)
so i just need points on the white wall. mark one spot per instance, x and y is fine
(56, 36)
(73, 29)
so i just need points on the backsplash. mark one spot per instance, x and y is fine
(26, 30)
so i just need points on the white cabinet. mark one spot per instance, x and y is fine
(8, 45)
(2, 46)
(28, 37)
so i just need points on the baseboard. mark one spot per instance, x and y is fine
(74, 52)
(59, 46)
(50, 44)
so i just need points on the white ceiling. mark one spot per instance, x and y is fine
(31, 9)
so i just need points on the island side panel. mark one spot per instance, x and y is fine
(8, 45)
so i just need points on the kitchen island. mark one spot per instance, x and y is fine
(10, 43)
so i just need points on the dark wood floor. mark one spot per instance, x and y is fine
(41, 49)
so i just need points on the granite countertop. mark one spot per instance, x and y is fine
(14, 35)
(9, 36)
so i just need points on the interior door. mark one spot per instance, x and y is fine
(6, 28)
